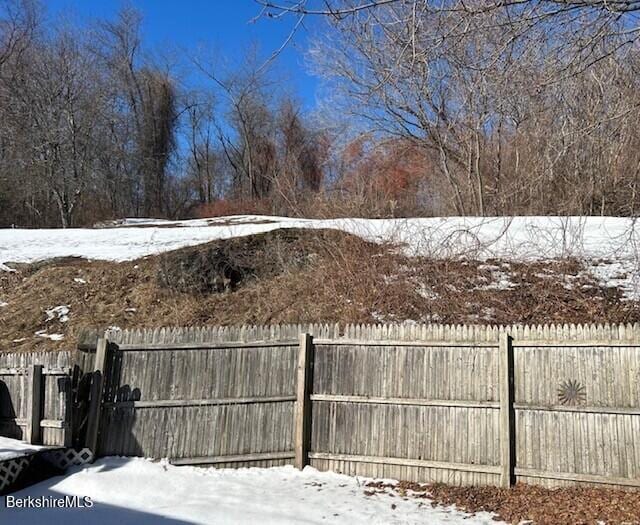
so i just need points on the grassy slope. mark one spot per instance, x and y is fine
(312, 277)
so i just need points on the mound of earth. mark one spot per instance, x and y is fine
(291, 276)
(227, 264)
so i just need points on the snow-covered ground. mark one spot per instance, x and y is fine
(134, 490)
(12, 448)
(614, 240)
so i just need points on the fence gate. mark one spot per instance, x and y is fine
(194, 401)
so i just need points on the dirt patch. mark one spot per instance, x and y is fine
(289, 277)
(529, 503)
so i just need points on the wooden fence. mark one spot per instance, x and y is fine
(550, 405)
(36, 396)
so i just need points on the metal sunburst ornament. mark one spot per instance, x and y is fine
(571, 392)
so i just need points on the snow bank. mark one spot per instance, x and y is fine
(616, 240)
(519, 237)
(133, 490)
(12, 448)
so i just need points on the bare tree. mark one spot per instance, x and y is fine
(18, 23)
(247, 136)
(272, 153)
(53, 119)
(303, 150)
(203, 163)
(474, 84)
(150, 106)
(156, 138)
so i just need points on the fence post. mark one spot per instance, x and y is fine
(67, 431)
(34, 416)
(302, 411)
(95, 396)
(507, 414)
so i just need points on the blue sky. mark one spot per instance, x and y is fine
(223, 25)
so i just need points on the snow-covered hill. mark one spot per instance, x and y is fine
(610, 245)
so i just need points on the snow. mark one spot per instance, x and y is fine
(5, 268)
(53, 337)
(602, 241)
(79, 280)
(12, 448)
(425, 291)
(135, 490)
(60, 312)
(503, 237)
(500, 279)
(3, 304)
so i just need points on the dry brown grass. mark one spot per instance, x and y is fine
(321, 277)
(522, 503)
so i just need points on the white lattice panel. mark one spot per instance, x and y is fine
(64, 458)
(10, 470)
